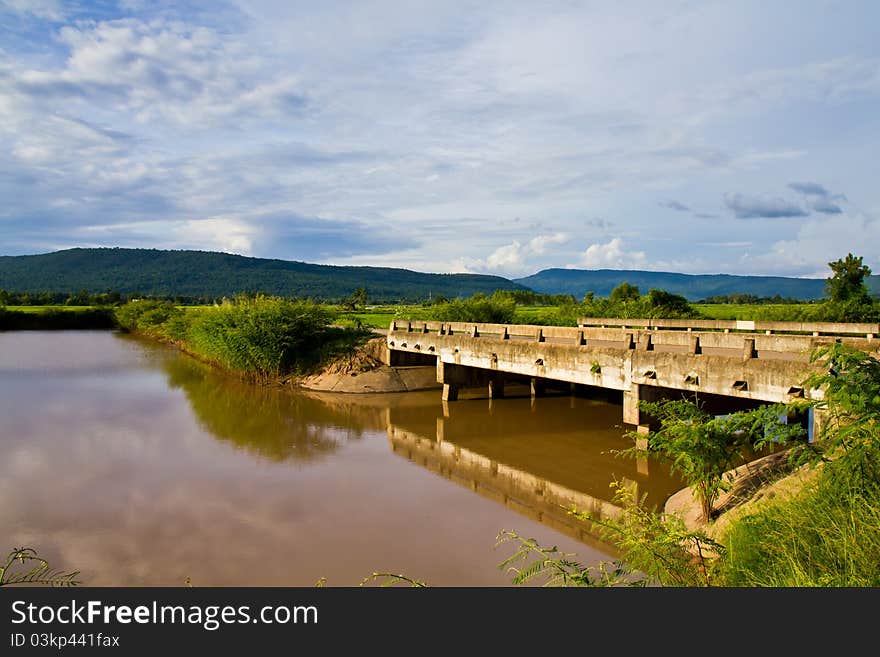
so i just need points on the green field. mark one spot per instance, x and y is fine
(381, 316)
(780, 312)
(41, 309)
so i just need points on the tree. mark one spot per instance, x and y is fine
(702, 448)
(624, 292)
(849, 299)
(847, 283)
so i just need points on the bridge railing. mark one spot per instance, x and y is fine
(869, 330)
(623, 335)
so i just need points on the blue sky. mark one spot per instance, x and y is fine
(494, 137)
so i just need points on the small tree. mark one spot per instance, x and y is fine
(848, 280)
(702, 448)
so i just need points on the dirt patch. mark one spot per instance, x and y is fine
(364, 371)
(753, 484)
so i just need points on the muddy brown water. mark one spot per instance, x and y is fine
(138, 465)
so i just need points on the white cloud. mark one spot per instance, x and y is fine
(612, 254)
(163, 70)
(514, 258)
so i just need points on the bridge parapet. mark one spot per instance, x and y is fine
(869, 330)
(781, 342)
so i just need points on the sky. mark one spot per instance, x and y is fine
(489, 137)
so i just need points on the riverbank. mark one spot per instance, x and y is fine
(58, 319)
(364, 371)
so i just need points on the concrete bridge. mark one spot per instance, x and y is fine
(743, 363)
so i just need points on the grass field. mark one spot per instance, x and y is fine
(381, 316)
(782, 312)
(40, 309)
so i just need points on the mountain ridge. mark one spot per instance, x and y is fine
(211, 273)
(198, 273)
(692, 286)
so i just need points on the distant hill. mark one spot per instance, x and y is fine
(692, 286)
(206, 273)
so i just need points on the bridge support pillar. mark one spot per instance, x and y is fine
(537, 387)
(631, 413)
(450, 392)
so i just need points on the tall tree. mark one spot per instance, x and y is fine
(848, 279)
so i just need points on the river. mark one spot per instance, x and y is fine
(138, 465)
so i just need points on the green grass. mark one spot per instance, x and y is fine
(779, 312)
(824, 536)
(42, 309)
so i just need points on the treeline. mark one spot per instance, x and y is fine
(502, 307)
(57, 320)
(86, 298)
(753, 300)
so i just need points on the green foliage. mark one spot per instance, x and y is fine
(849, 299)
(655, 549)
(262, 336)
(552, 567)
(847, 281)
(259, 337)
(826, 535)
(850, 437)
(623, 293)
(147, 316)
(33, 569)
(702, 447)
(495, 309)
(57, 319)
(829, 533)
(391, 579)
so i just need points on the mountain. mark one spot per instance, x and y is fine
(692, 286)
(206, 273)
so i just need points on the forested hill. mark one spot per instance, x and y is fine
(205, 273)
(692, 286)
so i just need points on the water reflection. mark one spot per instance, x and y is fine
(140, 466)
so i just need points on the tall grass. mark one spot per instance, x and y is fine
(824, 536)
(262, 337)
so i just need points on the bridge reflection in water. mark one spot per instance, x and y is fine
(538, 457)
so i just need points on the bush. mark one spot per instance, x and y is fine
(497, 309)
(145, 315)
(262, 336)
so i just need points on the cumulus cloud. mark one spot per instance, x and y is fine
(612, 254)
(514, 258)
(762, 207)
(674, 205)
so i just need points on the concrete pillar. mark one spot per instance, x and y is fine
(539, 335)
(646, 343)
(537, 387)
(496, 387)
(450, 392)
(694, 345)
(505, 335)
(580, 339)
(631, 405)
(819, 421)
(749, 349)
